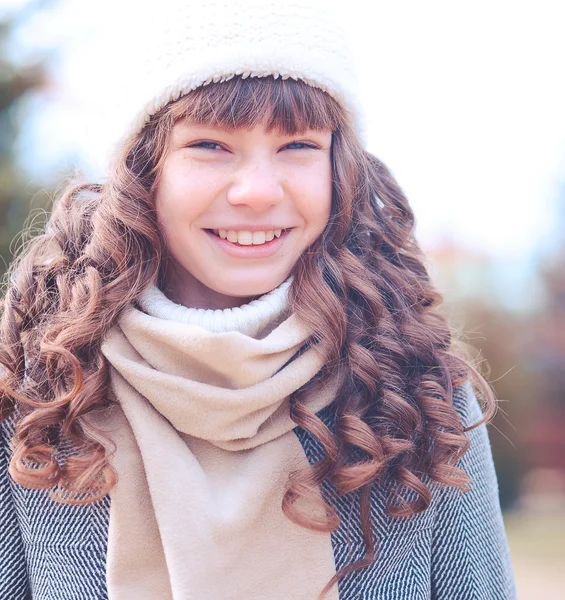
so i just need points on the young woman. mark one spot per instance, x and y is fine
(225, 375)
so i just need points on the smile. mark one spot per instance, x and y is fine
(249, 245)
(248, 238)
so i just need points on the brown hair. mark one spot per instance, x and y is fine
(362, 287)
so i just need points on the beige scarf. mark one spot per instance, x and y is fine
(204, 448)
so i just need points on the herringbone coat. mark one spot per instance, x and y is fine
(455, 550)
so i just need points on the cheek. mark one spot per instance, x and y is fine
(178, 199)
(319, 199)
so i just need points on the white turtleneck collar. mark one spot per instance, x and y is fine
(248, 319)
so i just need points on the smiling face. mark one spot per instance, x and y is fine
(237, 207)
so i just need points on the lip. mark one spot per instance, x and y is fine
(252, 228)
(258, 251)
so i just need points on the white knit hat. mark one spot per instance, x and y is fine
(186, 44)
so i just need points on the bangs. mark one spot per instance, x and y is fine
(286, 106)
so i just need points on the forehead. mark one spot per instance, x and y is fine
(284, 106)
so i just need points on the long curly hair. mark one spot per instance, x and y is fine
(362, 287)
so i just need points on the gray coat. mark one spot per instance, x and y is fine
(455, 550)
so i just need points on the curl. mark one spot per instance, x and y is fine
(365, 292)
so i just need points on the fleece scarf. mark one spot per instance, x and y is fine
(203, 451)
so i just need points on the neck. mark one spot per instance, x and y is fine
(184, 289)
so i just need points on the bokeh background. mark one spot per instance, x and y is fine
(465, 103)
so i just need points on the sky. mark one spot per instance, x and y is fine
(464, 103)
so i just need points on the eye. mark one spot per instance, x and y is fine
(302, 146)
(206, 145)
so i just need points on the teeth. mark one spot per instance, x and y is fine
(244, 238)
(248, 238)
(258, 237)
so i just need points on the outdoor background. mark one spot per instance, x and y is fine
(465, 104)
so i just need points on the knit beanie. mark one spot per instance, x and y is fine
(187, 44)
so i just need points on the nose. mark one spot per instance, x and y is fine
(257, 185)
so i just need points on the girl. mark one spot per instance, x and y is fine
(225, 375)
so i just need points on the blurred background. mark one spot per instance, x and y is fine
(465, 104)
